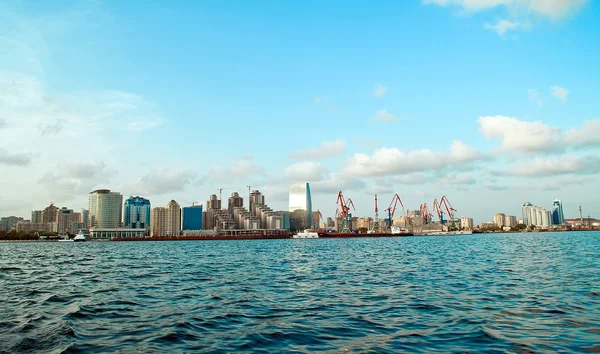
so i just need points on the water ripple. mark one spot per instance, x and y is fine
(488, 293)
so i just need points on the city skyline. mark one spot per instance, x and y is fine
(490, 105)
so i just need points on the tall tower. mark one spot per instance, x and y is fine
(137, 213)
(106, 208)
(558, 216)
(300, 207)
(173, 218)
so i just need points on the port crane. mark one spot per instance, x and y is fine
(343, 211)
(317, 217)
(376, 222)
(438, 210)
(444, 202)
(425, 213)
(391, 210)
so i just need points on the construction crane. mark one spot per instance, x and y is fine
(342, 211)
(193, 203)
(392, 210)
(221, 192)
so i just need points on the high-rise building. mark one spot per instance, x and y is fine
(235, 201)
(191, 218)
(9, 222)
(466, 223)
(300, 207)
(106, 208)
(558, 216)
(499, 219)
(68, 221)
(536, 216)
(85, 215)
(50, 214)
(137, 213)
(36, 216)
(158, 221)
(173, 219)
(510, 221)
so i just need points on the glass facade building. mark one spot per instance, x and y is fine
(137, 213)
(300, 207)
(558, 216)
(192, 218)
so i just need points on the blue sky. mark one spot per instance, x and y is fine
(492, 103)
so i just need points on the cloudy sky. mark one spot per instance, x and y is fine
(491, 103)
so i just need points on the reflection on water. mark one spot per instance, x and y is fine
(537, 292)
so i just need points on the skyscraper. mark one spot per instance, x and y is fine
(499, 219)
(536, 216)
(300, 207)
(558, 216)
(137, 213)
(173, 219)
(50, 214)
(105, 209)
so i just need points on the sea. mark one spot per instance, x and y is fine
(525, 292)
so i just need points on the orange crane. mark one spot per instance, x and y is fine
(318, 217)
(425, 213)
(343, 209)
(446, 204)
(440, 213)
(391, 211)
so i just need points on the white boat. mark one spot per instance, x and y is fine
(80, 237)
(306, 234)
(65, 240)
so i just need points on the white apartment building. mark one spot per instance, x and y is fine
(106, 209)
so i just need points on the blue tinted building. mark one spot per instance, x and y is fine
(137, 213)
(301, 216)
(192, 218)
(558, 216)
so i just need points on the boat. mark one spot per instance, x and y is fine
(65, 240)
(306, 234)
(80, 237)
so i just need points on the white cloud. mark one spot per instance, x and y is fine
(7, 158)
(393, 161)
(559, 92)
(587, 136)
(70, 180)
(325, 150)
(380, 90)
(240, 168)
(535, 96)
(519, 135)
(306, 171)
(501, 27)
(561, 165)
(548, 8)
(163, 180)
(367, 143)
(454, 179)
(384, 115)
(336, 182)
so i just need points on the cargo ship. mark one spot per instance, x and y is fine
(395, 232)
(207, 238)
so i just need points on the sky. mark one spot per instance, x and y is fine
(492, 103)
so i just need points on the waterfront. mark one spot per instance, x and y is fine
(493, 292)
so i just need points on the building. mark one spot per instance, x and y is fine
(137, 213)
(29, 227)
(50, 214)
(68, 221)
(510, 221)
(9, 222)
(106, 208)
(300, 207)
(85, 215)
(536, 216)
(36, 217)
(499, 219)
(558, 216)
(173, 219)
(466, 223)
(191, 218)
(158, 221)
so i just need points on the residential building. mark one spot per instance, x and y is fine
(558, 216)
(50, 214)
(68, 221)
(536, 216)
(85, 215)
(191, 218)
(36, 217)
(158, 221)
(9, 222)
(499, 219)
(137, 213)
(466, 223)
(106, 209)
(300, 202)
(29, 227)
(510, 221)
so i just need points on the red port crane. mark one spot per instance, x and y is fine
(446, 204)
(318, 217)
(425, 213)
(392, 210)
(343, 209)
(436, 208)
